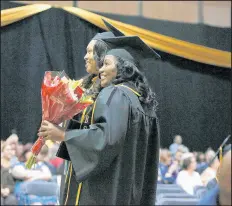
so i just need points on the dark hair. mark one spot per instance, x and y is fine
(186, 162)
(23, 156)
(198, 156)
(99, 51)
(128, 72)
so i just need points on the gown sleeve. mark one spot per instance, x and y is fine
(92, 150)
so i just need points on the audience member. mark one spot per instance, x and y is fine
(209, 154)
(19, 152)
(188, 178)
(167, 171)
(200, 160)
(200, 157)
(178, 156)
(7, 181)
(39, 172)
(53, 159)
(220, 194)
(210, 172)
(12, 140)
(7, 154)
(174, 167)
(44, 158)
(175, 145)
(184, 156)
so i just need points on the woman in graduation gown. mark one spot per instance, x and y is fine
(94, 57)
(115, 159)
(95, 53)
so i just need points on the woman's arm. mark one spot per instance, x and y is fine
(92, 150)
(20, 172)
(43, 174)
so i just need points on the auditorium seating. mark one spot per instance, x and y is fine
(172, 194)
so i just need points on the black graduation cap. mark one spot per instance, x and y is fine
(130, 48)
(115, 31)
(130, 43)
(109, 34)
(103, 35)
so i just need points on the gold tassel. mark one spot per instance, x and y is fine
(220, 155)
(70, 176)
(78, 193)
(220, 161)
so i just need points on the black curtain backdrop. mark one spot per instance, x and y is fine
(194, 98)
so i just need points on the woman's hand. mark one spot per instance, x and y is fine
(51, 131)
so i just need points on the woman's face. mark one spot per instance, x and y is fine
(108, 72)
(8, 152)
(202, 157)
(90, 63)
(165, 157)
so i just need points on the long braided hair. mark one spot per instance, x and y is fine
(99, 51)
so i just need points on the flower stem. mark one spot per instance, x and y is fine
(31, 161)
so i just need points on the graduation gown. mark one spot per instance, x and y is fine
(113, 161)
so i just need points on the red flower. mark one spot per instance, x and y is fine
(59, 103)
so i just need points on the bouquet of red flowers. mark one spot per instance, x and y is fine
(62, 98)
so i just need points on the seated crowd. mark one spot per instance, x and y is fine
(181, 166)
(187, 178)
(40, 185)
(21, 186)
